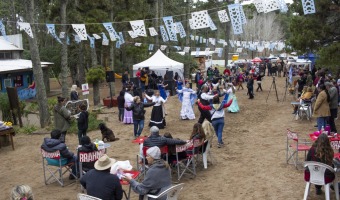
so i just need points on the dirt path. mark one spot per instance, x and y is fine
(250, 166)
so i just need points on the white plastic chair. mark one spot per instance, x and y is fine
(81, 196)
(317, 176)
(171, 193)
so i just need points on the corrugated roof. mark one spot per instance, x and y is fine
(8, 46)
(18, 65)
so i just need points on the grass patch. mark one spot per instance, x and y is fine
(28, 129)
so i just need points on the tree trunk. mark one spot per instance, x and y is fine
(187, 38)
(156, 24)
(96, 94)
(94, 61)
(81, 65)
(44, 115)
(112, 54)
(64, 66)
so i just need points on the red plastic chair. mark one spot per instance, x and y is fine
(141, 160)
(295, 145)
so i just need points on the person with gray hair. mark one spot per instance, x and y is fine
(22, 192)
(157, 178)
(157, 140)
(333, 104)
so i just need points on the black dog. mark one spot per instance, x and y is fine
(107, 133)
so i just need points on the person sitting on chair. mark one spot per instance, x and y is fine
(54, 144)
(157, 178)
(157, 140)
(321, 151)
(87, 146)
(100, 183)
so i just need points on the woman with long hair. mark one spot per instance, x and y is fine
(197, 132)
(321, 151)
(321, 107)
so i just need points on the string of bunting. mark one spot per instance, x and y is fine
(170, 29)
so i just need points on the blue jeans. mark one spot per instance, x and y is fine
(218, 125)
(138, 126)
(321, 121)
(75, 169)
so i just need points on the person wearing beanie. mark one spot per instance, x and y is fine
(157, 178)
(157, 140)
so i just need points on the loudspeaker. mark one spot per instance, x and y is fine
(169, 76)
(110, 76)
(171, 87)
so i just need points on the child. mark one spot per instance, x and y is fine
(83, 122)
(121, 102)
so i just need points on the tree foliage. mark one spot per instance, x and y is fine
(95, 75)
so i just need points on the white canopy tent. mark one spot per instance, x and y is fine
(160, 63)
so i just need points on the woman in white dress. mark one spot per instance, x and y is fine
(128, 114)
(157, 114)
(187, 96)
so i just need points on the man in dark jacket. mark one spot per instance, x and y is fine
(53, 144)
(157, 140)
(100, 183)
(138, 113)
(250, 86)
(83, 121)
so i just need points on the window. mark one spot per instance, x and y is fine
(7, 82)
(18, 81)
(5, 55)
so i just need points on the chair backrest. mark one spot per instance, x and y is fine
(171, 193)
(184, 147)
(51, 155)
(93, 156)
(292, 135)
(81, 196)
(317, 172)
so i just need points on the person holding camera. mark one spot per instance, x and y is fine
(137, 108)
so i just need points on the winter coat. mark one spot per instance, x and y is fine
(74, 96)
(333, 93)
(152, 183)
(61, 118)
(83, 120)
(321, 107)
(138, 110)
(156, 140)
(52, 145)
(87, 148)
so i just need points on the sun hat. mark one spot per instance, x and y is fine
(154, 152)
(104, 163)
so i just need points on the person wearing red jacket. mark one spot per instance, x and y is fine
(217, 116)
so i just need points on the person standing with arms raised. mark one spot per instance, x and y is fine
(204, 99)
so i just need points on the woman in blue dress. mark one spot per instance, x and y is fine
(233, 108)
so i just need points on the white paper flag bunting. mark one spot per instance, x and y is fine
(62, 35)
(204, 40)
(91, 41)
(138, 27)
(151, 47)
(163, 47)
(260, 48)
(164, 34)
(200, 19)
(121, 38)
(235, 17)
(231, 42)
(192, 23)
(283, 6)
(26, 27)
(181, 30)
(223, 16)
(212, 41)
(138, 44)
(96, 36)
(152, 31)
(105, 41)
(192, 37)
(308, 6)
(132, 34)
(197, 52)
(259, 5)
(270, 5)
(211, 24)
(170, 27)
(243, 16)
(112, 32)
(77, 38)
(80, 30)
(186, 49)
(225, 44)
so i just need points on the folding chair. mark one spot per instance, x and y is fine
(170, 194)
(294, 146)
(88, 157)
(54, 159)
(317, 176)
(81, 196)
(305, 109)
(142, 158)
(205, 153)
(186, 164)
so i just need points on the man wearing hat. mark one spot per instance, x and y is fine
(333, 104)
(62, 117)
(157, 140)
(100, 183)
(157, 178)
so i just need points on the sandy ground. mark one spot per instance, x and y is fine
(251, 165)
